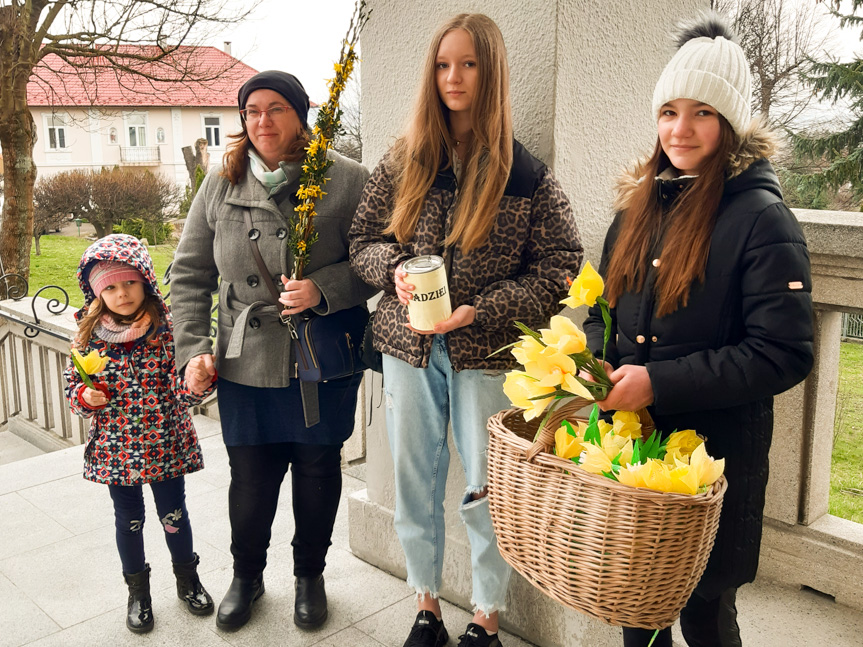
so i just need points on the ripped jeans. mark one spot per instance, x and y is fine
(170, 498)
(420, 405)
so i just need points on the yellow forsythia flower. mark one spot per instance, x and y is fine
(520, 388)
(566, 446)
(681, 444)
(93, 363)
(627, 424)
(585, 289)
(564, 335)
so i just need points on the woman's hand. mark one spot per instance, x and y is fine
(299, 295)
(632, 389)
(94, 398)
(200, 372)
(404, 291)
(461, 316)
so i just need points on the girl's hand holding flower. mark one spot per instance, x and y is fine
(94, 398)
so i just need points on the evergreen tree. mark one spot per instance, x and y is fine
(837, 156)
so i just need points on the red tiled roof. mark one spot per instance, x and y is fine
(57, 83)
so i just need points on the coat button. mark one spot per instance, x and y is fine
(255, 323)
(254, 234)
(281, 233)
(654, 339)
(252, 280)
(640, 339)
(655, 262)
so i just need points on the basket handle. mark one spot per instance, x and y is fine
(545, 438)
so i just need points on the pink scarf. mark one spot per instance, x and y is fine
(110, 331)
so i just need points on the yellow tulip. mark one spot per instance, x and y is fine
(684, 480)
(564, 335)
(520, 388)
(566, 446)
(575, 387)
(93, 363)
(681, 444)
(633, 475)
(706, 469)
(604, 427)
(585, 289)
(657, 476)
(627, 424)
(549, 366)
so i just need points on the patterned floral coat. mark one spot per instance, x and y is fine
(154, 439)
(518, 274)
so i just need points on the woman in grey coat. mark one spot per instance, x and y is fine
(270, 421)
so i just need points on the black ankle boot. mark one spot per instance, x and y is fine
(236, 607)
(310, 602)
(190, 590)
(139, 609)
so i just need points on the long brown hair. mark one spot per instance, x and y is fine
(685, 240)
(151, 306)
(488, 158)
(235, 161)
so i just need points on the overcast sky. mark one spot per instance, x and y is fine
(304, 37)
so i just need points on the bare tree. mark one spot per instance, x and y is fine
(57, 197)
(119, 194)
(350, 140)
(780, 39)
(135, 39)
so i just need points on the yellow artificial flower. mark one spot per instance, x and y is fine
(527, 351)
(549, 366)
(684, 480)
(519, 387)
(585, 289)
(564, 335)
(657, 476)
(93, 363)
(604, 427)
(706, 469)
(594, 459)
(627, 424)
(566, 446)
(633, 475)
(571, 384)
(681, 444)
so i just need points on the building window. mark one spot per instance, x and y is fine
(213, 131)
(56, 132)
(112, 136)
(160, 135)
(137, 128)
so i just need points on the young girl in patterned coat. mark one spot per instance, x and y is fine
(141, 431)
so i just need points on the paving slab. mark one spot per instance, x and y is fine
(41, 469)
(21, 621)
(14, 448)
(25, 527)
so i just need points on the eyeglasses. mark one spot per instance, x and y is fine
(254, 114)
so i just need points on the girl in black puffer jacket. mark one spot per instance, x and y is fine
(707, 272)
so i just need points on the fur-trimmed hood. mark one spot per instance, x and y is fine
(124, 249)
(757, 142)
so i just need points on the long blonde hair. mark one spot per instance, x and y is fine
(488, 158)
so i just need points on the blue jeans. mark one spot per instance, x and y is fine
(420, 405)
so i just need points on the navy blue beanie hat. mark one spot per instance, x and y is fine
(285, 84)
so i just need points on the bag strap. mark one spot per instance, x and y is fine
(256, 252)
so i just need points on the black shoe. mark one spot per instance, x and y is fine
(139, 608)
(236, 607)
(310, 602)
(476, 636)
(190, 590)
(427, 631)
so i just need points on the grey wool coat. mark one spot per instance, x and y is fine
(215, 244)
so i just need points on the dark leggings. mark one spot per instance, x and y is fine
(170, 497)
(704, 623)
(257, 472)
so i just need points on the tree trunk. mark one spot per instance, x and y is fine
(102, 229)
(36, 242)
(17, 135)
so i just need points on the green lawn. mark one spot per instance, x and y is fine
(58, 264)
(846, 475)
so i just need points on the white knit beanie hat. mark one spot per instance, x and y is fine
(709, 67)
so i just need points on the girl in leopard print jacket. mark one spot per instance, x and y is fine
(457, 185)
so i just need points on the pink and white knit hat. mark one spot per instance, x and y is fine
(104, 273)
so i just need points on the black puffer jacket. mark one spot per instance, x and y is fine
(715, 365)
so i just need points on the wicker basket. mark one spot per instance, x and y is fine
(627, 556)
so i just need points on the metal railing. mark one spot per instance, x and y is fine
(852, 326)
(140, 155)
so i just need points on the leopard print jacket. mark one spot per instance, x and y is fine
(518, 274)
